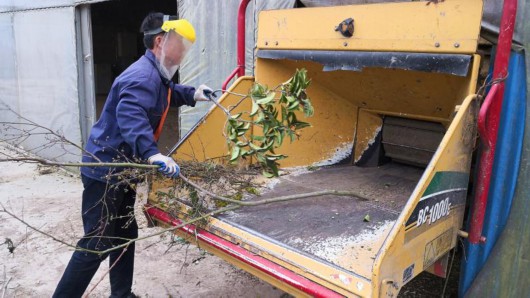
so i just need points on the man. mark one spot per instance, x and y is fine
(127, 131)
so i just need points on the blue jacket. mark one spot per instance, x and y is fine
(134, 107)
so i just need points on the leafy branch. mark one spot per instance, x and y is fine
(275, 117)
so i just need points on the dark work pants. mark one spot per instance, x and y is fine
(108, 212)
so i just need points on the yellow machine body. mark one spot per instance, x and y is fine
(350, 111)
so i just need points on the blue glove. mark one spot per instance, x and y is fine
(168, 166)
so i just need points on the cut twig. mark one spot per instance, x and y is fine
(277, 199)
(125, 244)
(26, 133)
(80, 164)
(107, 272)
(4, 209)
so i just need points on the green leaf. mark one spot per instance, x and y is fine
(275, 122)
(266, 126)
(284, 114)
(243, 127)
(270, 157)
(294, 83)
(366, 218)
(300, 124)
(266, 100)
(291, 135)
(304, 82)
(258, 91)
(254, 146)
(274, 157)
(278, 138)
(273, 166)
(268, 145)
(267, 174)
(261, 117)
(244, 153)
(308, 107)
(233, 135)
(260, 157)
(255, 108)
(283, 98)
(235, 153)
(293, 106)
(257, 138)
(292, 118)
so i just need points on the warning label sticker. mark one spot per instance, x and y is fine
(437, 248)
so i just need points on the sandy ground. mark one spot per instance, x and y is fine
(51, 202)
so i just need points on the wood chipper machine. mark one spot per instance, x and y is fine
(393, 88)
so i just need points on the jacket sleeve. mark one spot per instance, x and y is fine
(182, 95)
(137, 99)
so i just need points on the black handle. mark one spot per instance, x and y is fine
(210, 94)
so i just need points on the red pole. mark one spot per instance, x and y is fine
(240, 68)
(241, 37)
(489, 118)
(230, 77)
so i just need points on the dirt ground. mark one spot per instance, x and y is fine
(51, 202)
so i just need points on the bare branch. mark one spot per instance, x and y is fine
(125, 244)
(277, 199)
(183, 224)
(4, 209)
(47, 130)
(105, 274)
(80, 164)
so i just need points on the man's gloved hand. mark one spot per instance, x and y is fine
(168, 166)
(199, 93)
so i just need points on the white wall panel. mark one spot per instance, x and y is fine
(46, 75)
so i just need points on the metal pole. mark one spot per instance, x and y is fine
(489, 118)
(240, 68)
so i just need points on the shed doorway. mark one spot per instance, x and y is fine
(117, 43)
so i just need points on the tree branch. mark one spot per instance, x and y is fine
(34, 228)
(80, 164)
(277, 199)
(105, 274)
(125, 244)
(48, 130)
(196, 186)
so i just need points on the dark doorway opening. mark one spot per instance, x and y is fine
(117, 43)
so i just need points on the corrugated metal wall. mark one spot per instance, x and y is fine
(39, 77)
(213, 56)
